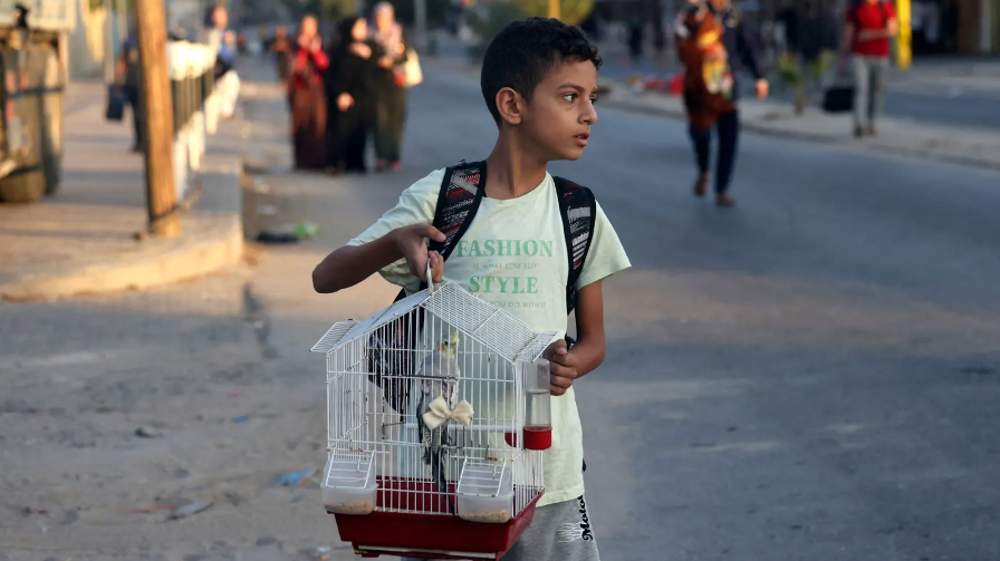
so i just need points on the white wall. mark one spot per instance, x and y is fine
(87, 44)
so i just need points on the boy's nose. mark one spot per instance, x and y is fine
(590, 114)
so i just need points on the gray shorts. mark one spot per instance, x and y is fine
(558, 532)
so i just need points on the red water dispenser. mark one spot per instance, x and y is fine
(538, 411)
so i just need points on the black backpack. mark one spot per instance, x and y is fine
(461, 193)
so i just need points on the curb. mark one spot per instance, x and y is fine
(764, 130)
(196, 253)
(753, 126)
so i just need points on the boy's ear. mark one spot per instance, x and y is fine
(510, 104)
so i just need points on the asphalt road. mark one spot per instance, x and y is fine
(812, 375)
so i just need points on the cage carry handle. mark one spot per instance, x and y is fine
(430, 279)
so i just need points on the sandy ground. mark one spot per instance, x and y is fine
(811, 376)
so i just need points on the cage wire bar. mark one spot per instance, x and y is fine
(408, 348)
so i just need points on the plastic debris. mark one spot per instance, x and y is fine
(321, 553)
(305, 229)
(189, 509)
(295, 478)
(669, 83)
(241, 419)
(148, 510)
(289, 233)
(148, 432)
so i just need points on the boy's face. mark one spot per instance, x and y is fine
(557, 120)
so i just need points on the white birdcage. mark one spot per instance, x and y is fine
(438, 412)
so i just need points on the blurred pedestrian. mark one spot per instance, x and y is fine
(307, 96)
(814, 40)
(390, 92)
(635, 39)
(128, 73)
(710, 37)
(349, 96)
(281, 49)
(222, 40)
(788, 17)
(869, 25)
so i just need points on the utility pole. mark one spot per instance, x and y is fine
(554, 9)
(904, 53)
(158, 113)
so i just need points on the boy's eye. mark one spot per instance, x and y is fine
(593, 99)
(569, 96)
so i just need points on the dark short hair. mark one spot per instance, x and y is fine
(525, 51)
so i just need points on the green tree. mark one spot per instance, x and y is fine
(571, 11)
(336, 9)
(437, 11)
(487, 22)
(116, 5)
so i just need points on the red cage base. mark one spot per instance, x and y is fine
(427, 536)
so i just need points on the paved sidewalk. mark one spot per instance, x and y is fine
(83, 239)
(899, 136)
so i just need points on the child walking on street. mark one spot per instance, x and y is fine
(535, 245)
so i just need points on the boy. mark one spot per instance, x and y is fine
(539, 81)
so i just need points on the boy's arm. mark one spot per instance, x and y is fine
(350, 265)
(589, 351)
(605, 258)
(400, 234)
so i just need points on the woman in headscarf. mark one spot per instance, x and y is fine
(349, 96)
(390, 94)
(711, 38)
(307, 97)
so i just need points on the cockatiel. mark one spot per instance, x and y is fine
(438, 377)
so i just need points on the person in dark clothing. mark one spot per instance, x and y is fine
(709, 35)
(789, 18)
(128, 72)
(349, 96)
(389, 45)
(635, 29)
(814, 40)
(307, 97)
(281, 47)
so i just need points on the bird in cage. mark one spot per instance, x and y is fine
(438, 377)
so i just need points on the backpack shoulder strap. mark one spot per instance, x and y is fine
(578, 208)
(458, 200)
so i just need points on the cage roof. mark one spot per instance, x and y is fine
(493, 327)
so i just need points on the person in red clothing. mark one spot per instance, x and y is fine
(307, 97)
(869, 26)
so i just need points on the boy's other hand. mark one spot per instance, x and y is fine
(410, 241)
(562, 367)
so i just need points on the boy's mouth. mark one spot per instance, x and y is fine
(581, 139)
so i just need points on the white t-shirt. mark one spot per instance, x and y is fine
(514, 256)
